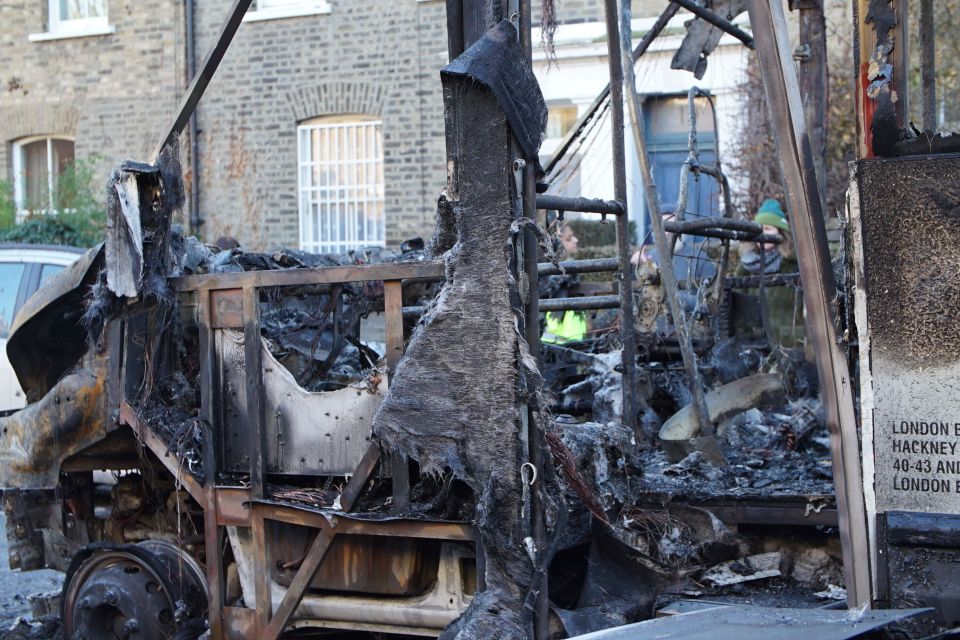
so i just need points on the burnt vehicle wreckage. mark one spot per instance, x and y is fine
(275, 474)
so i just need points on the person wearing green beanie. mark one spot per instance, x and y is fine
(784, 304)
(770, 214)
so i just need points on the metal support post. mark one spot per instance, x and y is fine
(819, 288)
(627, 336)
(535, 441)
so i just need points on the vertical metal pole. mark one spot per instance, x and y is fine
(209, 394)
(195, 221)
(928, 66)
(254, 385)
(535, 441)
(627, 337)
(819, 288)
(659, 234)
(455, 44)
(261, 570)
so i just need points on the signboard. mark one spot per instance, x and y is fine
(909, 323)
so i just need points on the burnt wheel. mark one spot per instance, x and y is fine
(148, 590)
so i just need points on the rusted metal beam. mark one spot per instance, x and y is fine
(433, 270)
(360, 477)
(535, 443)
(393, 312)
(306, 572)
(214, 561)
(253, 374)
(261, 573)
(814, 82)
(202, 79)
(819, 288)
(397, 528)
(208, 413)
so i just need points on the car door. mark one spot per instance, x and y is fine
(14, 284)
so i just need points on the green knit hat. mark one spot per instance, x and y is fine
(771, 213)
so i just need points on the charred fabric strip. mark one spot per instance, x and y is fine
(453, 400)
(496, 61)
(702, 38)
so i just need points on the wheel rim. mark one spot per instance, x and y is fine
(132, 591)
(116, 595)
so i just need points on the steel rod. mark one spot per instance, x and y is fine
(660, 237)
(585, 303)
(721, 23)
(819, 288)
(202, 79)
(531, 249)
(582, 205)
(625, 275)
(597, 265)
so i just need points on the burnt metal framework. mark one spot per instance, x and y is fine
(231, 301)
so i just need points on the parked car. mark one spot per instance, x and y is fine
(23, 269)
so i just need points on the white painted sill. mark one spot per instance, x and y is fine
(278, 13)
(63, 35)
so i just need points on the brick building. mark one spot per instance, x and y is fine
(323, 127)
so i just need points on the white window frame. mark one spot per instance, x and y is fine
(20, 180)
(77, 25)
(266, 10)
(61, 28)
(339, 229)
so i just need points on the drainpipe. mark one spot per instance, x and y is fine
(195, 220)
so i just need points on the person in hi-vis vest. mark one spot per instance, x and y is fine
(566, 326)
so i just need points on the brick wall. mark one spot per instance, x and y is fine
(113, 93)
(367, 57)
